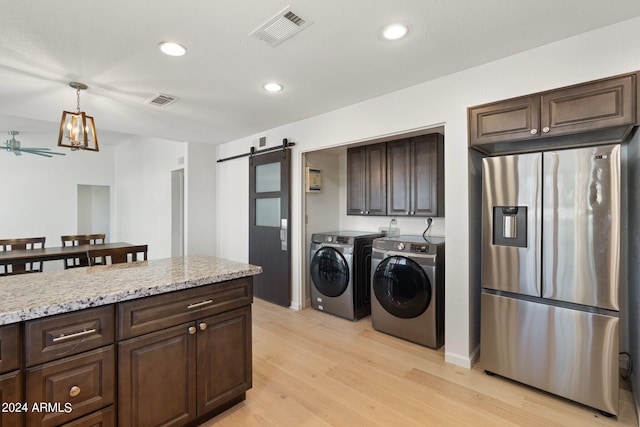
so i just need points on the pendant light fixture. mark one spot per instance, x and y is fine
(77, 130)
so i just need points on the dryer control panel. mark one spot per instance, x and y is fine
(420, 248)
(409, 245)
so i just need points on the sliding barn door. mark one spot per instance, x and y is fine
(269, 235)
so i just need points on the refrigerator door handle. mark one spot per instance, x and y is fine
(550, 223)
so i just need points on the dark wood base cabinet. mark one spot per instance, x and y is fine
(103, 418)
(174, 359)
(156, 378)
(10, 396)
(171, 377)
(184, 356)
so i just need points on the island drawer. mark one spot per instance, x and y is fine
(66, 334)
(69, 388)
(141, 316)
(103, 418)
(9, 348)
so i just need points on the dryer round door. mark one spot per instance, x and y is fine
(402, 287)
(329, 272)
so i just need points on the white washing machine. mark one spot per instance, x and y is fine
(407, 282)
(340, 268)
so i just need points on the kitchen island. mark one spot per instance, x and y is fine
(159, 342)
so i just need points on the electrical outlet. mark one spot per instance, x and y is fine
(428, 221)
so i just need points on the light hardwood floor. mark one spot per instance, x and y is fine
(315, 369)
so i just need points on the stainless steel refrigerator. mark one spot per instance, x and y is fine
(550, 271)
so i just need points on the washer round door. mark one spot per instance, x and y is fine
(329, 272)
(402, 287)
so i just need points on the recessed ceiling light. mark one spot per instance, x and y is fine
(395, 31)
(172, 49)
(272, 87)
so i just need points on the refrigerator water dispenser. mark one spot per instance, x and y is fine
(510, 226)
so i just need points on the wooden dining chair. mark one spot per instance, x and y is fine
(80, 239)
(22, 244)
(118, 255)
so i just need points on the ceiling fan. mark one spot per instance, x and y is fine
(13, 145)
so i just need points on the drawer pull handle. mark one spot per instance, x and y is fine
(199, 304)
(63, 337)
(75, 390)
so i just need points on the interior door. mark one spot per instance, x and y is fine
(269, 236)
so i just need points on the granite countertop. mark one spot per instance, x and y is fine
(31, 296)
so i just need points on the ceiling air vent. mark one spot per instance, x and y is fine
(281, 27)
(161, 100)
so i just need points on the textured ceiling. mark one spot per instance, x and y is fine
(339, 60)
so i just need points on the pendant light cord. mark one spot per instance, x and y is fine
(77, 99)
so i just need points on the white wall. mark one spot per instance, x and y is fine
(142, 192)
(232, 210)
(200, 199)
(39, 194)
(605, 52)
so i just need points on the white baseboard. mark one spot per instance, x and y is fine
(465, 362)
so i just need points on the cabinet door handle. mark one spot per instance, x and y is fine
(361, 212)
(366, 212)
(202, 326)
(74, 391)
(192, 330)
(534, 131)
(199, 304)
(63, 337)
(545, 129)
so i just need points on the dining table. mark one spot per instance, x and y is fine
(54, 252)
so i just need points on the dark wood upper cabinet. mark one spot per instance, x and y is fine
(415, 176)
(588, 113)
(366, 180)
(590, 106)
(510, 120)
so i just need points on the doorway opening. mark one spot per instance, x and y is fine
(177, 212)
(94, 210)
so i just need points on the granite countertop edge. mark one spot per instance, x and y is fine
(59, 292)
